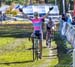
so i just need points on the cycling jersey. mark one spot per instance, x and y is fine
(37, 23)
(49, 26)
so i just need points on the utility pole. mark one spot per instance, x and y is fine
(55, 2)
(63, 3)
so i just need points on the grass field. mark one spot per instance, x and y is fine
(21, 56)
(15, 50)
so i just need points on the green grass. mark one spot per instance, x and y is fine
(6, 40)
(16, 57)
(21, 56)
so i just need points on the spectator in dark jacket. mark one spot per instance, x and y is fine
(64, 17)
(73, 21)
(2, 16)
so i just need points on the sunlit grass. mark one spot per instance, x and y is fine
(22, 56)
(16, 57)
(6, 40)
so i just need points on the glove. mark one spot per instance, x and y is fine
(51, 8)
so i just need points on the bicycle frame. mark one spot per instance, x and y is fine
(49, 35)
(36, 49)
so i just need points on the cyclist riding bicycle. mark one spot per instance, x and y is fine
(49, 30)
(37, 25)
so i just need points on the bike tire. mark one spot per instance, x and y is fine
(33, 52)
(49, 42)
(36, 44)
(36, 51)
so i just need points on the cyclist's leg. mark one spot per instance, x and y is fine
(46, 38)
(32, 37)
(52, 33)
(40, 44)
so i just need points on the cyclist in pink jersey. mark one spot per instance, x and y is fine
(37, 25)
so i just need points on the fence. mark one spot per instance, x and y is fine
(69, 32)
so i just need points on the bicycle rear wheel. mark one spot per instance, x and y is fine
(49, 42)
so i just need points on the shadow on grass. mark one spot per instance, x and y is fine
(50, 56)
(16, 34)
(64, 58)
(8, 63)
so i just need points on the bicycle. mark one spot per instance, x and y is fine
(36, 49)
(50, 37)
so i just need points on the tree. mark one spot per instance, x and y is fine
(0, 2)
(8, 2)
(71, 4)
(60, 6)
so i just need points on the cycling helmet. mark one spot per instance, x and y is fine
(36, 14)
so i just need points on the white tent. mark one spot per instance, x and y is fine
(42, 10)
(4, 8)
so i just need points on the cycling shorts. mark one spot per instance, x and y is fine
(38, 34)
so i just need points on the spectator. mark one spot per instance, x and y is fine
(69, 18)
(2, 16)
(63, 24)
(64, 18)
(73, 21)
(63, 28)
